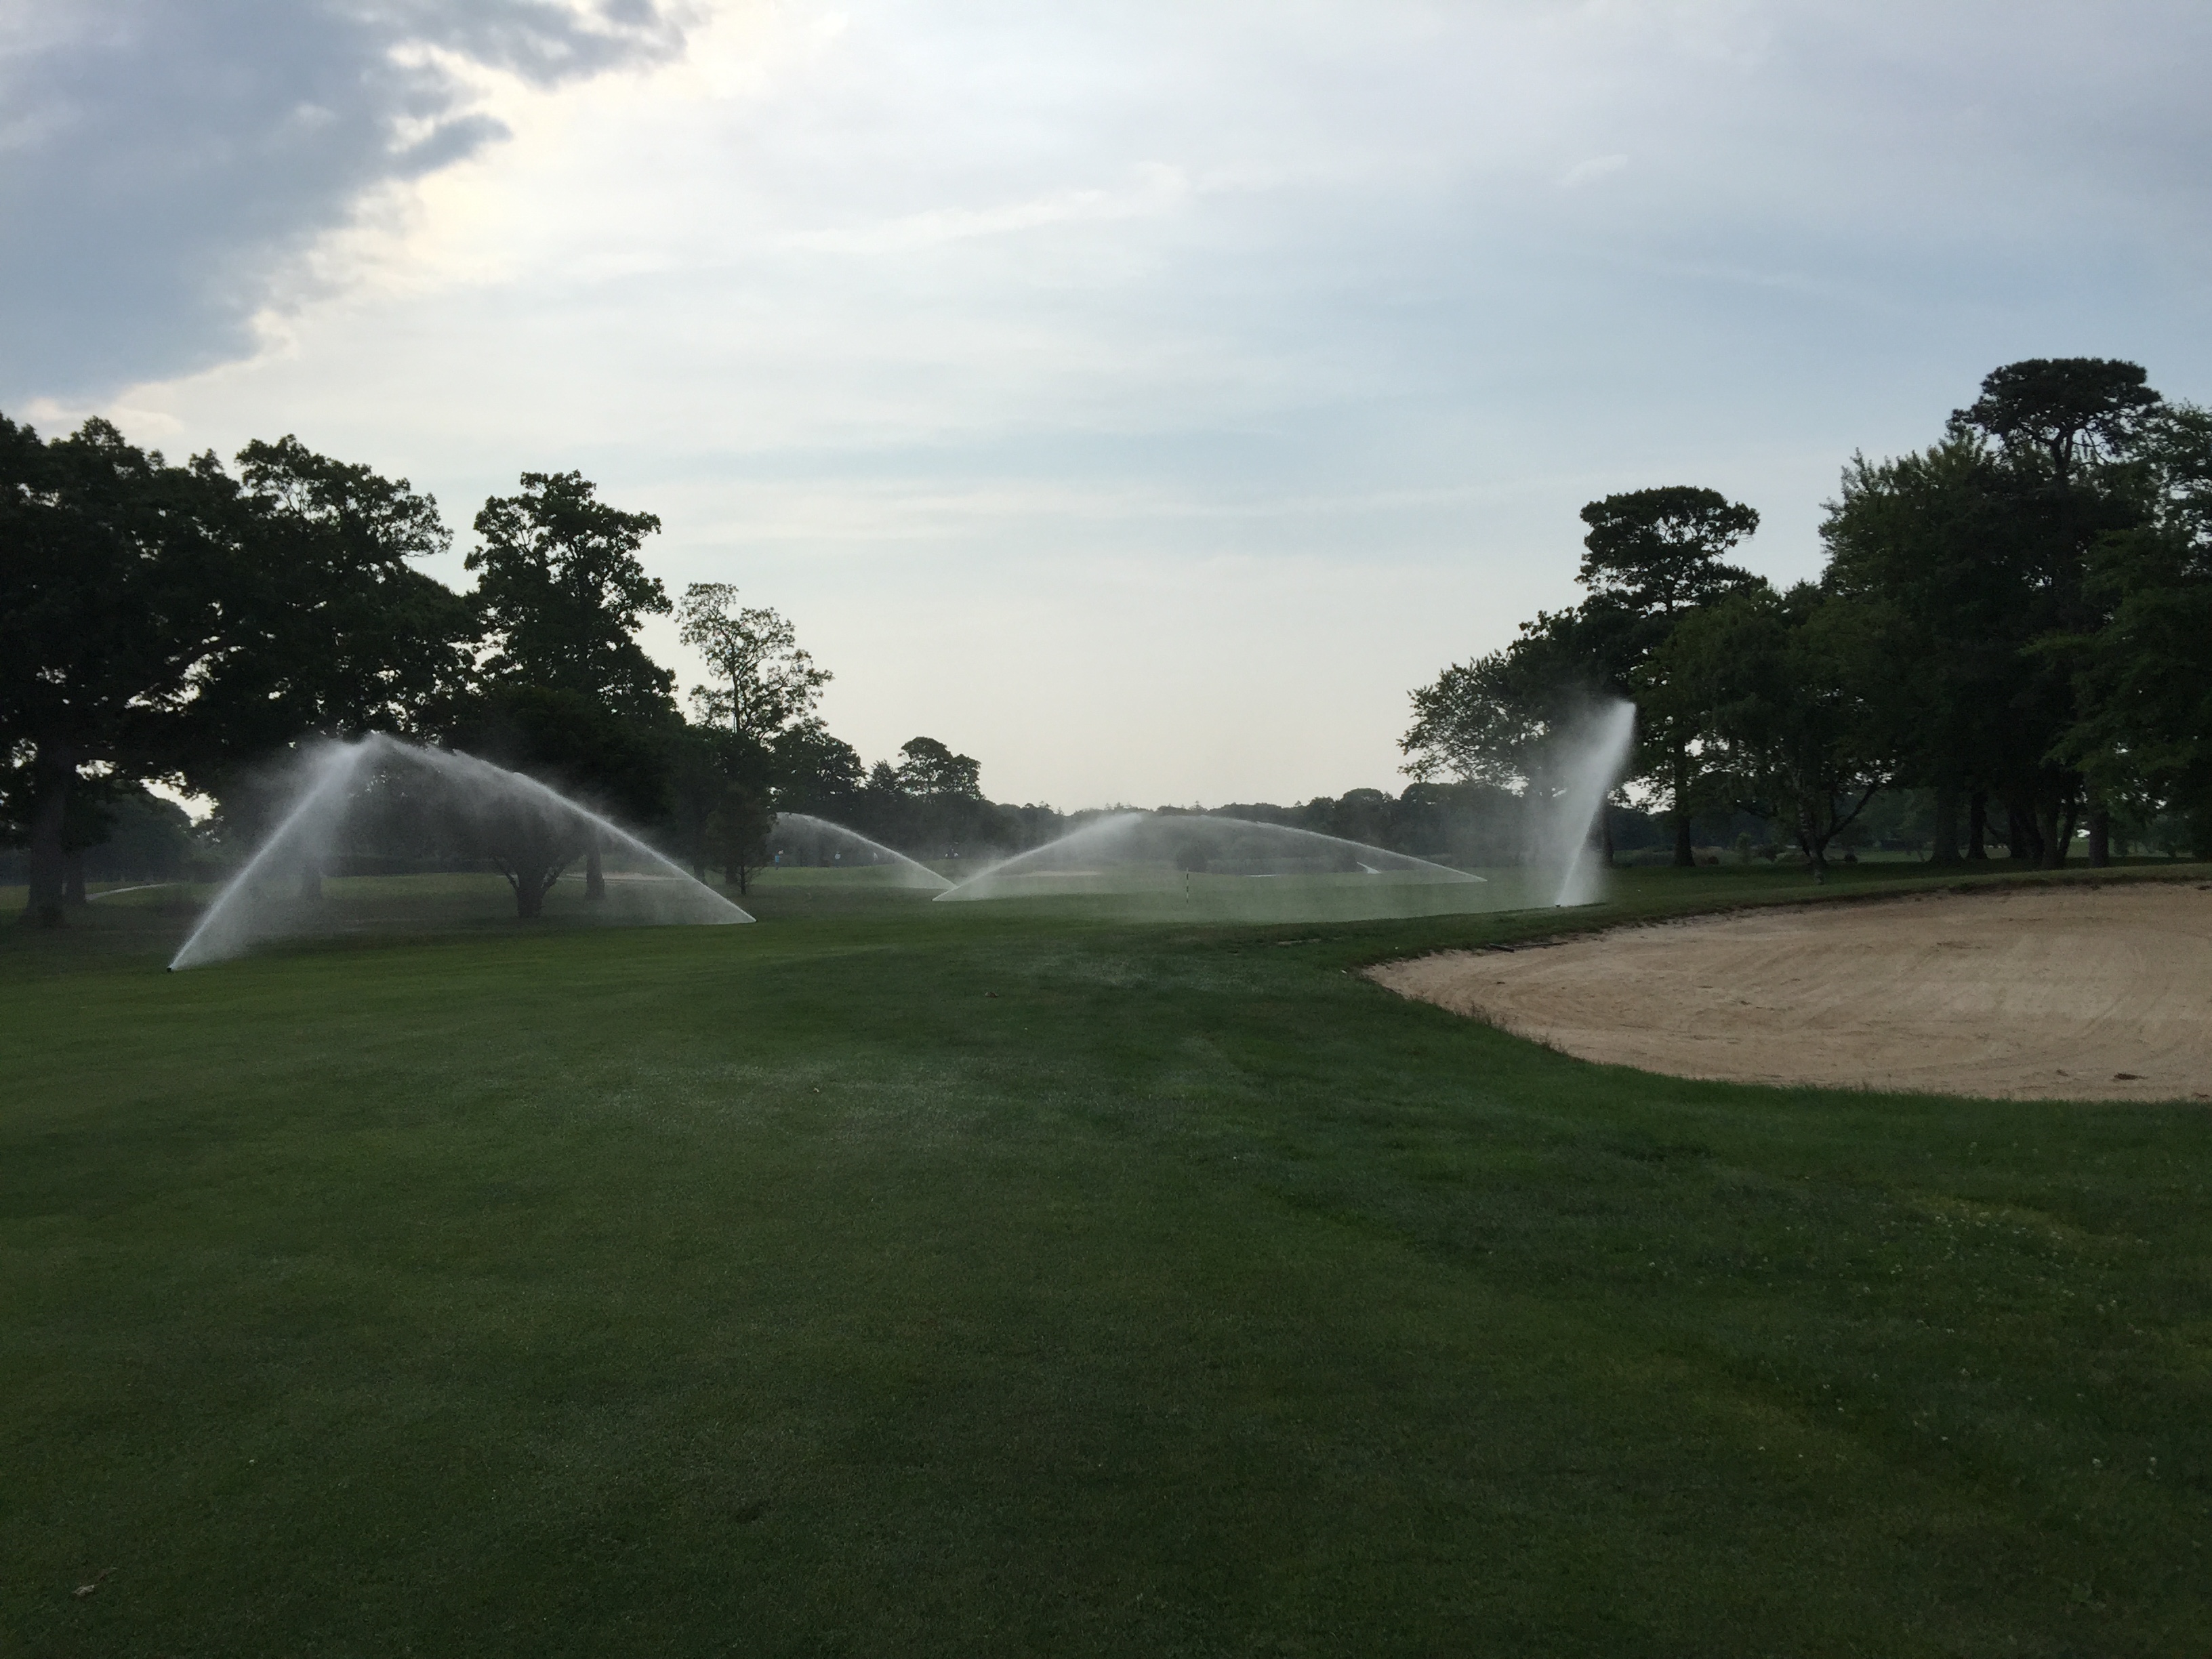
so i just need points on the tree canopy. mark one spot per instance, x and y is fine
(762, 680)
(2012, 618)
(119, 565)
(561, 594)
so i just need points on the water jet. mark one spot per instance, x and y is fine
(401, 810)
(802, 841)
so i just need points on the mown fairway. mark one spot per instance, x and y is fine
(890, 1278)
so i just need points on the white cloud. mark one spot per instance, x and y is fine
(1588, 171)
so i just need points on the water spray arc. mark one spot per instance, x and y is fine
(530, 831)
(806, 836)
(1535, 847)
(1192, 844)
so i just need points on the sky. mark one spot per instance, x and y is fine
(1141, 398)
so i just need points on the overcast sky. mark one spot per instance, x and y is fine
(1139, 398)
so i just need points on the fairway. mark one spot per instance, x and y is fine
(899, 1277)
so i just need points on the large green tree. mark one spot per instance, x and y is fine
(118, 568)
(561, 594)
(578, 746)
(2069, 414)
(816, 772)
(1976, 554)
(1920, 543)
(1651, 557)
(1654, 557)
(931, 801)
(330, 630)
(2141, 735)
(1783, 692)
(1491, 720)
(761, 680)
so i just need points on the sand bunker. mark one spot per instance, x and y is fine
(2071, 993)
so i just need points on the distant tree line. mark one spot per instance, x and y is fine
(2014, 623)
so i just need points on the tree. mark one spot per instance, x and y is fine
(1486, 721)
(762, 680)
(343, 636)
(928, 770)
(562, 595)
(117, 567)
(705, 763)
(1653, 557)
(330, 631)
(932, 799)
(2070, 411)
(2064, 430)
(738, 833)
(941, 795)
(579, 747)
(814, 772)
(143, 837)
(2143, 730)
(1655, 553)
(1978, 552)
(1778, 683)
(1924, 541)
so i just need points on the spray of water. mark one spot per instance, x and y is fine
(1588, 764)
(1191, 866)
(1536, 849)
(1121, 847)
(803, 841)
(379, 795)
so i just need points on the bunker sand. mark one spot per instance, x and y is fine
(2076, 993)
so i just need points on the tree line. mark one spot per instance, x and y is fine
(2013, 620)
(191, 625)
(2011, 626)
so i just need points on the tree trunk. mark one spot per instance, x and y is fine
(1816, 855)
(54, 771)
(311, 882)
(1978, 827)
(531, 877)
(2053, 829)
(595, 877)
(73, 893)
(2100, 836)
(1686, 855)
(1605, 832)
(530, 887)
(2022, 844)
(1945, 848)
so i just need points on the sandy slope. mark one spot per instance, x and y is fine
(2080, 993)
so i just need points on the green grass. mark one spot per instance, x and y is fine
(900, 1278)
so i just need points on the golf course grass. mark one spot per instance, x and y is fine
(900, 1278)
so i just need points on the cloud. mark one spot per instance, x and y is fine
(1586, 172)
(1142, 396)
(1159, 190)
(159, 163)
